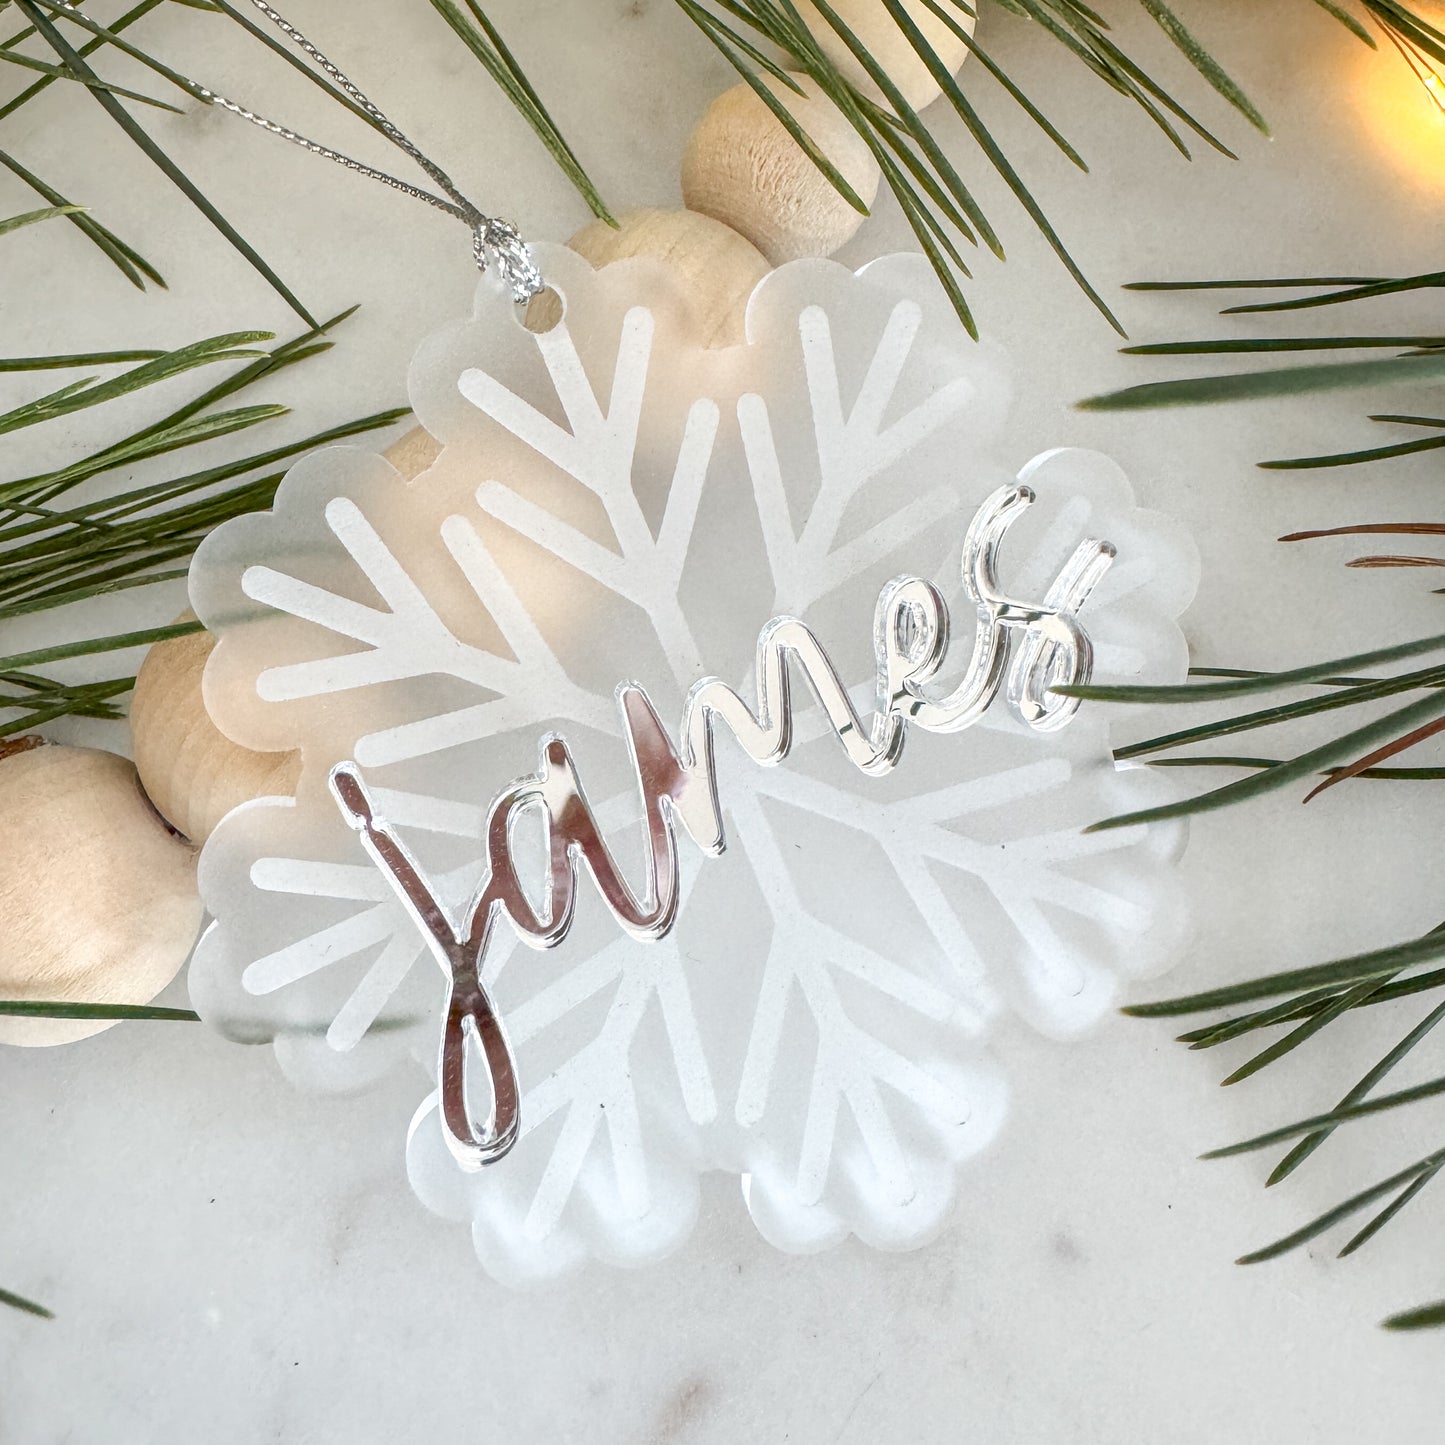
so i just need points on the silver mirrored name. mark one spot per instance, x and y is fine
(1023, 648)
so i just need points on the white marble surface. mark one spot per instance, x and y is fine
(233, 1262)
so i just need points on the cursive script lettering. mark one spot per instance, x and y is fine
(1023, 647)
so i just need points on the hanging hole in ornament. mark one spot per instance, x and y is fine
(544, 311)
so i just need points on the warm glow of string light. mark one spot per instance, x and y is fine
(1402, 106)
(1423, 67)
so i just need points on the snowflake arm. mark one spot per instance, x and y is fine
(600, 452)
(855, 449)
(408, 639)
(850, 1061)
(851, 451)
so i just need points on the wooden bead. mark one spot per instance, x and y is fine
(413, 453)
(718, 267)
(98, 897)
(191, 771)
(881, 36)
(742, 168)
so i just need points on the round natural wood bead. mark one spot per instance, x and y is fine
(191, 771)
(718, 267)
(886, 42)
(413, 453)
(742, 168)
(98, 897)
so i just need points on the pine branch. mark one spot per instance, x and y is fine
(1310, 999)
(54, 557)
(34, 12)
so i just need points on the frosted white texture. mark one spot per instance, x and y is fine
(614, 503)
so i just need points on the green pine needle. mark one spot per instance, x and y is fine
(129, 262)
(1302, 1033)
(30, 218)
(1363, 291)
(1414, 775)
(1243, 684)
(1382, 1103)
(1377, 964)
(1204, 62)
(1268, 283)
(1268, 385)
(1366, 692)
(1341, 749)
(83, 358)
(124, 22)
(61, 72)
(1354, 458)
(1340, 1212)
(1402, 1050)
(1244, 345)
(485, 42)
(29, 1009)
(77, 395)
(25, 1306)
(1348, 21)
(1423, 1317)
(1389, 1212)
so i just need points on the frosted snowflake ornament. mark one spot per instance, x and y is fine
(643, 647)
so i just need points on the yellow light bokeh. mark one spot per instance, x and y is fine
(1404, 115)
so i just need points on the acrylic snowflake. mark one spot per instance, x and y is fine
(613, 502)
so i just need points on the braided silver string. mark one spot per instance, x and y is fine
(492, 239)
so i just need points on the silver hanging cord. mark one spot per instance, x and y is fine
(491, 238)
